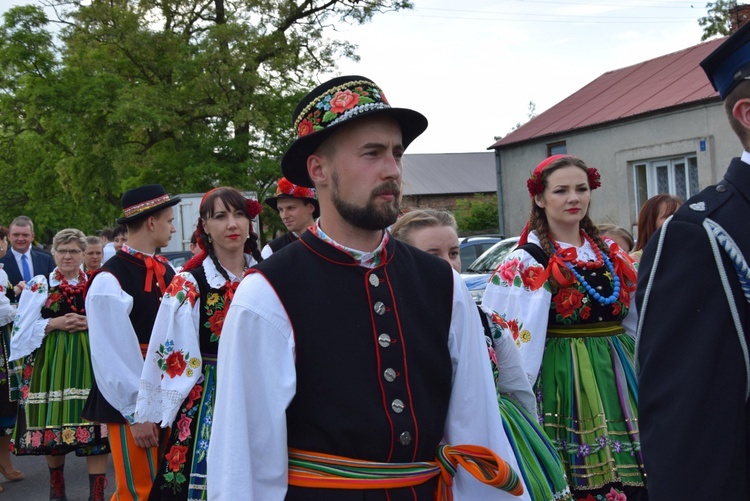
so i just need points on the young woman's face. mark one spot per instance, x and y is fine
(566, 198)
(440, 241)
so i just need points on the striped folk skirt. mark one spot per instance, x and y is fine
(589, 410)
(54, 383)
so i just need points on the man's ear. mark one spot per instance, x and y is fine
(315, 169)
(741, 111)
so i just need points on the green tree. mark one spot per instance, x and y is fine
(718, 19)
(478, 213)
(187, 93)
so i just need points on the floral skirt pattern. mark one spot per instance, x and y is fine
(589, 399)
(182, 468)
(8, 374)
(54, 383)
(541, 468)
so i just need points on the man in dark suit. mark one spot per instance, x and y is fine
(24, 261)
(694, 300)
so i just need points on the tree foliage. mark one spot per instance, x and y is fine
(187, 93)
(718, 19)
(478, 213)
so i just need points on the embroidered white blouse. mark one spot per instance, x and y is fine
(29, 326)
(530, 308)
(177, 325)
(7, 310)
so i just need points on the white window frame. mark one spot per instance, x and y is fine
(672, 164)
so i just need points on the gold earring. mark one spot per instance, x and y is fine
(209, 239)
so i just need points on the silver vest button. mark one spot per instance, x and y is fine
(405, 438)
(384, 340)
(389, 375)
(374, 280)
(397, 406)
(379, 308)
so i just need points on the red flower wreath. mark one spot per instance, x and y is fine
(594, 178)
(535, 185)
(253, 208)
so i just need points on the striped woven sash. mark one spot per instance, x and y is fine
(318, 470)
(601, 329)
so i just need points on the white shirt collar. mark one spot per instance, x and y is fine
(745, 157)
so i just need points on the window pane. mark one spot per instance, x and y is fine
(693, 176)
(557, 148)
(641, 185)
(662, 179)
(680, 183)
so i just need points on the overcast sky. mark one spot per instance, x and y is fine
(473, 67)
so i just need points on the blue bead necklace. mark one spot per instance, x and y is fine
(590, 290)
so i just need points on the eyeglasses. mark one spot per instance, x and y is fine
(72, 252)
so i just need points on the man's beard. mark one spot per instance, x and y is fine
(371, 216)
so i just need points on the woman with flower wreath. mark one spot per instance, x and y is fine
(564, 296)
(178, 383)
(50, 336)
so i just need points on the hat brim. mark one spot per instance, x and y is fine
(272, 202)
(156, 208)
(294, 161)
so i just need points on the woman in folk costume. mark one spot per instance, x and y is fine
(50, 335)
(8, 371)
(434, 231)
(564, 296)
(179, 376)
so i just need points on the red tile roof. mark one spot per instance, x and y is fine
(674, 80)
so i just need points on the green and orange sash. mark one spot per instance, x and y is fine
(318, 470)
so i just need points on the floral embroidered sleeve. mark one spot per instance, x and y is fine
(521, 307)
(28, 329)
(511, 378)
(7, 311)
(173, 360)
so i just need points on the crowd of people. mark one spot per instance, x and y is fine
(347, 360)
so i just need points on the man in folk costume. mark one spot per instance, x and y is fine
(122, 299)
(298, 208)
(350, 349)
(694, 303)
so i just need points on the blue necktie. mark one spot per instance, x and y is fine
(26, 270)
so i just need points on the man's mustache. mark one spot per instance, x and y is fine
(391, 187)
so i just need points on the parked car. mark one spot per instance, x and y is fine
(474, 246)
(177, 258)
(477, 274)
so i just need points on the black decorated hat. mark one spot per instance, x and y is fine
(331, 105)
(729, 63)
(143, 201)
(287, 189)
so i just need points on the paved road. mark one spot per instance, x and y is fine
(35, 487)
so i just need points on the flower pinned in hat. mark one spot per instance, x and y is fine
(287, 189)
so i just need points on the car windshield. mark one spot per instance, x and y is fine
(491, 259)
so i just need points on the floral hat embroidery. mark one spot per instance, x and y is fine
(333, 104)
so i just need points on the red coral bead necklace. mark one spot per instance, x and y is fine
(70, 292)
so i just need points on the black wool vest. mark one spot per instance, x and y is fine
(373, 367)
